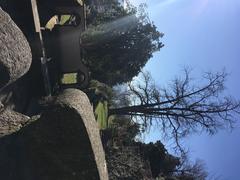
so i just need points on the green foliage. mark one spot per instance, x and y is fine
(161, 162)
(99, 95)
(98, 91)
(108, 11)
(101, 113)
(154, 157)
(119, 43)
(124, 130)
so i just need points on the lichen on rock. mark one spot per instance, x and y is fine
(15, 52)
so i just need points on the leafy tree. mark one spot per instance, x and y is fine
(133, 159)
(106, 11)
(119, 42)
(161, 162)
(168, 166)
(183, 108)
(98, 91)
(121, 132)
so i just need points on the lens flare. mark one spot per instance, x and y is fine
(110, 30)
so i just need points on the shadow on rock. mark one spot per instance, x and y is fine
(63, 143)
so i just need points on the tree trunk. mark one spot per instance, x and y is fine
(127, 110)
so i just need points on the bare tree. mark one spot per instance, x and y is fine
(188, 171)
(184, 107)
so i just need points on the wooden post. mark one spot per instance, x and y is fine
(44, 57)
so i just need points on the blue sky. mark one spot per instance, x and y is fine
(203, 34)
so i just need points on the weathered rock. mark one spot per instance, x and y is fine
(64, 143)
(15, 53)
(11, 121)
(127, 163)
(79, 101)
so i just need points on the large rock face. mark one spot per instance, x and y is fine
(15, 53)
(62, 144)
(78, 101)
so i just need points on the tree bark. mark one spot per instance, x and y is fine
(128, 110)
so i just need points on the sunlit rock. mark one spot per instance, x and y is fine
(15, 53)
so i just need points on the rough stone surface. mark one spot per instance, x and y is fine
(11, 121)
(78, 100)
(15, 52)
(127, 163)
(63, 143)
